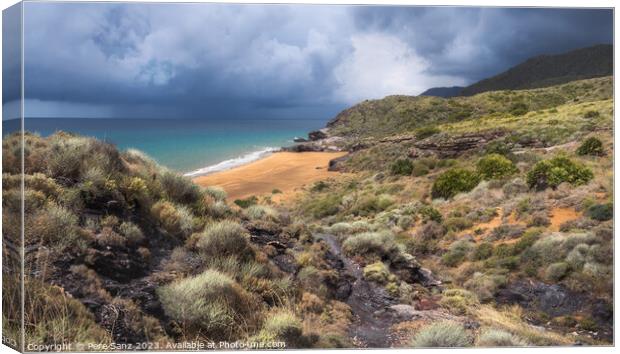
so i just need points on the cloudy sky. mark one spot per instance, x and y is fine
(241, 61)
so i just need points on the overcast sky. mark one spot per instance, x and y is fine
(244, 61)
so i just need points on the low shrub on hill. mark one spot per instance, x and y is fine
(551, 173)
(443, 335)
(210, 304)
(223, 238)
(601, 212)
(402, 167)
(498, 338)
(425, 132)
(495, 166)
(454, 181)
(591, 146)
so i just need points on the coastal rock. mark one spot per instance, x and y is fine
(300, 140)
(317, 135)
(337, 164)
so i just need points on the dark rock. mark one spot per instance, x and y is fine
(300, 140)
(446, 146)
(337, 163)
(286, 263)
(317, 135)
(119, 266)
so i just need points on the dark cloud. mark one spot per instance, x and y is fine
(215, 60)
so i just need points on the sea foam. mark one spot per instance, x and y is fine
(232, 163)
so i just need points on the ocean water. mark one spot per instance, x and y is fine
(190, 146)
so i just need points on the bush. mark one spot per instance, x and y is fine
(495, 166)
(483, 251)
(54, 226)
(224, 238)
(217, 193)
(553, 172)
(402, 167)
(323, 206)
(601, 212)
(247, 202)
(180, 189)
(132, 233)
(210, 303)
(499, 338)
(283, 325)
(176, 220)
(430, 214)
(261, 212)
(457, 223)
(380, 244)
(556, 271)
(458, 301)
(485, 285)
(457, 253)
(592, 114)
(377, 272)
(425, 132)
(454, 181)
(370, 204)
(591, 146)
(444, 334)
(519, 109)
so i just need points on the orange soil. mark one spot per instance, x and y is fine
(562, 215)
(286, 171)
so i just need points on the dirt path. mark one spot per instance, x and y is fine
(368, 303)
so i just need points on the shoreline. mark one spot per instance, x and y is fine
(280, 170)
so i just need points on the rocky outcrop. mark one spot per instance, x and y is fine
(334, 143)
(318, 135)
(448, 146)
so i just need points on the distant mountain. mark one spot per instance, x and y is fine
(444, 92)
(549, 70)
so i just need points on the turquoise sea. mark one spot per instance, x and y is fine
(190, 146)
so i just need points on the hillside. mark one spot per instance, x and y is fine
(510, 208)
(548, 70)
(444, 92)
(398, 114)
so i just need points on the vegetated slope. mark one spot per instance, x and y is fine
(512, 211)
(548, 70)
(396, 114)
(122, 250)
(444, 92)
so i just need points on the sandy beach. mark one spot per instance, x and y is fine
(286, 171)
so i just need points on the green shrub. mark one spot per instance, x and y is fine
(425, 132)
(283, 325)
(402, 167)
(261, 212)
(377, 272)
(495, 166)
(485, 285)
(180, 189)
(247, 202)
(457, 223)
(380, 244)
(458, 301)
(176, 220)
(216, 192)
(591, 146)
(553, 172)
(592, 114)
(556, 271)
(210, 303)
(454, 181)
(419, 169)
(370, 204)
(483, 251)
(444, 334)
(224, 238)
(132, 232)
(519, 109)
(54, 226)
(498, 338)
(457, 253)
(429, 213)
(601, 212)
(319, 186)
(324, 205)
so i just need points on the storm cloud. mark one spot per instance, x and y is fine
(243, 61)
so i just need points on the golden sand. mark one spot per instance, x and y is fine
(285, 171)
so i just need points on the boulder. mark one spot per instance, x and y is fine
(317, 135)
